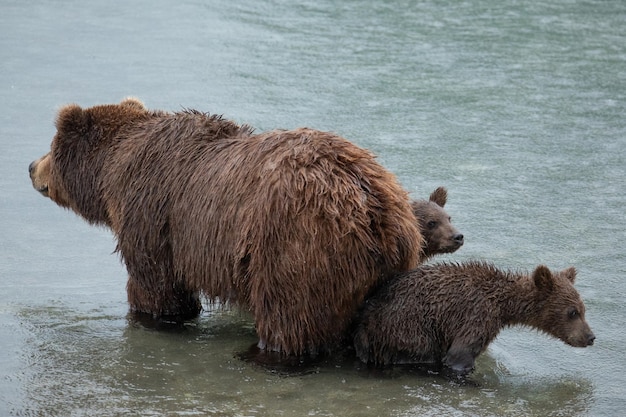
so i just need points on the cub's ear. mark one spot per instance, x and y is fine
(71, 118)
(133, 102)
(439, 196)
(570, 274)
(543, 279)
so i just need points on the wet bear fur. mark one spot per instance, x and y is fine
(296, 226)
(447, 314)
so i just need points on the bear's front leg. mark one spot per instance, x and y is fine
(170, 303)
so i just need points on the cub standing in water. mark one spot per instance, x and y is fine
(447, 314)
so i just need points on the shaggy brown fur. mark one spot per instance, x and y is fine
(440, 236)
(448, 314)
(295, 225)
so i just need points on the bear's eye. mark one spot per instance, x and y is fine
(572, 313)
(431, 224)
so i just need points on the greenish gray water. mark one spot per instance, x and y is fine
(518, 109)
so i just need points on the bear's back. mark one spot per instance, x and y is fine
(256, 219)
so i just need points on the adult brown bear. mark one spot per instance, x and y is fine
(297, 226)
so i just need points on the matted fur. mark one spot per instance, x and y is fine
(449, 313)
(296, 225)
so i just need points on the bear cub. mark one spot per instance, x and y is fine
(447, 314)
(440, 236)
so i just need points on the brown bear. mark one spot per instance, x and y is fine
(295, 225)
(440, 236)
(447, 314)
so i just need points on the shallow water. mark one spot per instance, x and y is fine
(517, 109)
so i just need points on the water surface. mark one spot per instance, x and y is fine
(518, 109)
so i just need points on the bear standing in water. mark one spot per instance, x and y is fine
(296, 226)
(447, 314)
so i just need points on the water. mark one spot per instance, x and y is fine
(518, 109)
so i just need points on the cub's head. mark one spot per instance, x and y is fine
(563, 313)
(69, 173)
(440, 236)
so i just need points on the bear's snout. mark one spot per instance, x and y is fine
(39, 171)
(582, 339)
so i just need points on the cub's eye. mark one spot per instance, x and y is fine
(572, 313)
(431, 224)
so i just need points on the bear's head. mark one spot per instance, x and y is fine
(562, 312)
(70, 173)
(440, 236)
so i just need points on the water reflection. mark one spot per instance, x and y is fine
(93, 363)
(543, 397)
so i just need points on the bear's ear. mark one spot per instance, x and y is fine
(71, 118)
(133, 102)
(570, 274)
(543, 279)
(439, 196)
